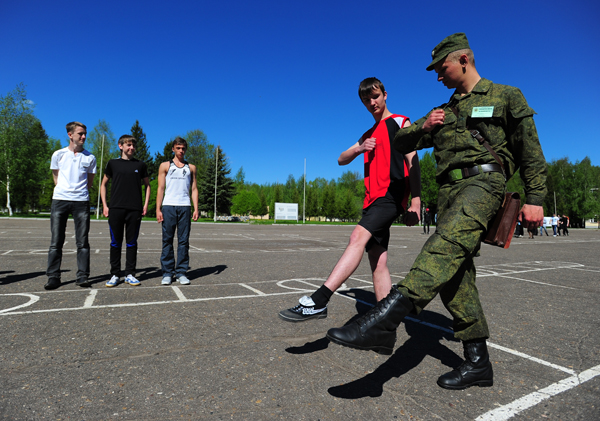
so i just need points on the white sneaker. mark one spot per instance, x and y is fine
(166, 280)
(113, 282)
(130, 279)
(183, 280)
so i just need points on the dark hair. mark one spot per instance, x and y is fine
(366, 87)
(180, 141)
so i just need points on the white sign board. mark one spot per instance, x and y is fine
(286, 211)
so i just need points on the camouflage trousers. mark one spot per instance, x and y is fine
(445, 264)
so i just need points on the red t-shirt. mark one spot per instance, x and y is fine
(385, 168)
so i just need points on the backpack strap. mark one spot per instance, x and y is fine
(477, 135)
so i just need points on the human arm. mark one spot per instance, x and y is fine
(55, 176)
(103, 195)
(160, 191)
(413, 213)
(413, 137)
(146, 182)
(355, 150)
(527, 152)
(90, 180)
(194, 193)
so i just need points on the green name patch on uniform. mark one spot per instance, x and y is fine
(482, 112)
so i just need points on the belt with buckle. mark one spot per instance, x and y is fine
(462, 173)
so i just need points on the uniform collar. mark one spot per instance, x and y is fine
(482, 87)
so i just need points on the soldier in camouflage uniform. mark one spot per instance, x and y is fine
(472, 186)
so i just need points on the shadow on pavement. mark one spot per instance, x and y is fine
(423, 341)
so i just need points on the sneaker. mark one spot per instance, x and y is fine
(166, 280)
(130, 279)
(183, 280)
(113, 282)
(304, 311)
(52, 283)
(83, 282)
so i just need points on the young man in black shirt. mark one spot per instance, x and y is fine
(126, 210)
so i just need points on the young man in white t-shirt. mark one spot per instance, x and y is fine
(73, 169)
(175, 180)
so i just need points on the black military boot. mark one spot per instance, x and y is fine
(376, 330)
(476, 370)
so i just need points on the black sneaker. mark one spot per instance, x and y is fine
(83, 282)
(304, 311)
(52, 283)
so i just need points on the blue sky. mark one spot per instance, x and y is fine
(275, 82)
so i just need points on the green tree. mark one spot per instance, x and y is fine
(351, 181)
(101, 142)
(16, 113)
(346, 206)
(48, 179)
(32, 154)
(225, 187)
(263, 209)
(429, 187)
(312, 202)
(199, 152)
(240, 179)
(142, 152)
(277, 198)
(246, 203)
(329, 208)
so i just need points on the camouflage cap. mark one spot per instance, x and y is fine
(448, 45)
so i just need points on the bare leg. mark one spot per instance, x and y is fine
(382, 281)
(350, 259)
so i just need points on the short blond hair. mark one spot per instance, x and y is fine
(73, 124)
(454, 56)
(126, 138)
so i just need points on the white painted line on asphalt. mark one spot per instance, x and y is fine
(492, 345)
(506, 412)
(301, 280)
(6, 252)
(148, 303)
(534, 359)
(32, 299)
(588, 270)
(535, 282)
(97, 251)
(89, 300)
(179, 294)
(253, 289)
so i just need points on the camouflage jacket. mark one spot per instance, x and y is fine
(510, 130)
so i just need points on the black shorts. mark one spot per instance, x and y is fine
(378, 218)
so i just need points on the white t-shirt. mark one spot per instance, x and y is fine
(73, 170)
(555, 220)
(177, 186)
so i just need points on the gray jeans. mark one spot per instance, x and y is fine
(58, 224)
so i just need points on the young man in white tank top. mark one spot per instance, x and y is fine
(176, 179)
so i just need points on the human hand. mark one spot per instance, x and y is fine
(413, 214)
(368, 144)
(105, 211)
(436, 118)
(195, 216)
(159, 216)
(531, 216)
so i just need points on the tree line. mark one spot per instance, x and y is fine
(26, 183)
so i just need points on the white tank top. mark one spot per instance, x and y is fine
(177, 186)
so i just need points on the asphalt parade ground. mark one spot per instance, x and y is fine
(216, 349)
